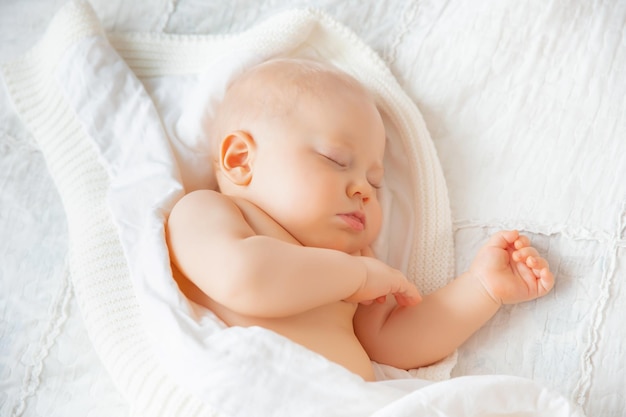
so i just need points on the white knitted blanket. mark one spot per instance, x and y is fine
(121, 122)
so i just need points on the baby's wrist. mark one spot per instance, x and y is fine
(479, 282)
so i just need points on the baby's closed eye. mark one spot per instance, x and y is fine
(336, 160)
(375, 178)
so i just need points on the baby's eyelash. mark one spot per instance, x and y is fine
(338, 163)
(374, 184)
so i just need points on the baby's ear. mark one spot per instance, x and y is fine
(236, 153)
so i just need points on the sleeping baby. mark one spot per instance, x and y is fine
(285, 242)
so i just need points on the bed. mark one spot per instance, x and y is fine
(526, 107)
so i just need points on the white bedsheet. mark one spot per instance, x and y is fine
(526, 105)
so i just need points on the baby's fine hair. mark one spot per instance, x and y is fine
(298, 74)
(272, 88)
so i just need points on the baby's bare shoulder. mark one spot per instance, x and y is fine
(206, 215)
(200, 200)
(205, 204)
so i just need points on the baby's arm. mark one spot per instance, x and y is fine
(211, 243)
(506, 270)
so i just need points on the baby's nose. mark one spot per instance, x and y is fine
(360, 189)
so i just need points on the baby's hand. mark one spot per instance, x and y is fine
(511, 270)
(383, 280)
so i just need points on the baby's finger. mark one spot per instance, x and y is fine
(503, 239)
(546, 281)
(537, 263)
(527, 275)
(406, 301)
(522, 242)
(523, 254)
(409, 298)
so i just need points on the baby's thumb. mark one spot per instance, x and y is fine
(503, 239)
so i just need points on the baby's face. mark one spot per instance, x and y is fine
(317, 168)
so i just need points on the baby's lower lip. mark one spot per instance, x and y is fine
(353, 221)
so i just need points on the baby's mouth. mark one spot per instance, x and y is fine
(355, 220)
